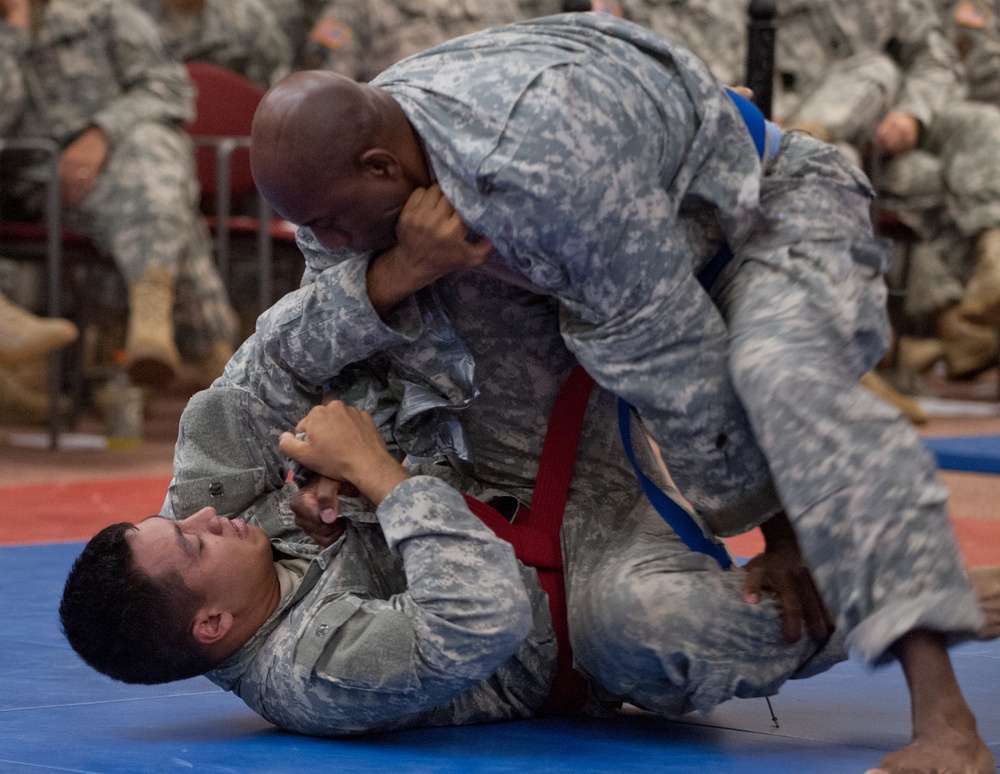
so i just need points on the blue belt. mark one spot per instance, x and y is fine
(766, 137)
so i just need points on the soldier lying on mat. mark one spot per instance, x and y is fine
(417, 614)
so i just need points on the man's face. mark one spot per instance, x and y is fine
(356, 211)
(225, 562)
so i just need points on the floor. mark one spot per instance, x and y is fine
(58, 716)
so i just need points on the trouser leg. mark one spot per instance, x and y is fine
(143, 212)
(806, 318)
(655, 625)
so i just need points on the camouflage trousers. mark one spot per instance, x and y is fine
(144, 213)
(806, 314)
(655, 624)
(665, 628)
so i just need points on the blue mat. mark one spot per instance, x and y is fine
(974, 453)
(58, 715)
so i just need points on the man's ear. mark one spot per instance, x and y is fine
(209, 627)
(378, 162)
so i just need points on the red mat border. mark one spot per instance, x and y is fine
(75, 510)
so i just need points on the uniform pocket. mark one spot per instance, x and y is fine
(359, 648)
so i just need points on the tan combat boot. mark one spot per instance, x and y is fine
(981, 301)
(969, 349)
(25, 336)
(880, 388)
(23, 404)
(151, 355)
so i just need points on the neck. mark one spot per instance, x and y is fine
(249, 622)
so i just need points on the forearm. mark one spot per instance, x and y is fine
(778, 531)
(314, 332)
(463, 582)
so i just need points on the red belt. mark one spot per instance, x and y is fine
(535, 534)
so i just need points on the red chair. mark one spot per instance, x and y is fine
(225, 107)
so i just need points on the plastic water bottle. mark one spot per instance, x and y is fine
(123, 408)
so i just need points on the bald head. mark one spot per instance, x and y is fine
(317, 130)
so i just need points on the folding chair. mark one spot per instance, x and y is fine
(221, 131)
(49, 241)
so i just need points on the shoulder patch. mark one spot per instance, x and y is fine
(331, 33)
(971, 14)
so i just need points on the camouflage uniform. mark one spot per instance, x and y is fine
(715, 30)
(974, 28)
(313, 668)
(296, 18)
(844, 65)
(650, 621)
(799, 312)
(360, 39)
(100, 63)
(241, 35)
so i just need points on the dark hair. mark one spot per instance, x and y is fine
(122, 622)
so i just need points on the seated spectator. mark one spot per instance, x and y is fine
(93, 76)
(240, 35)
(892, 89)
(360, 38)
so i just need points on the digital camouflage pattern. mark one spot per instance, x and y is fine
(240, 35)
(715, 30)
(638, 600)
(974, 28)
(361, 38)
(624, 564)
(616, 233)
(817, 41)
(844, 65)
(296, 18)
(101, 63)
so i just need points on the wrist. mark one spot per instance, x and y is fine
(382, 281)
(778, 530)
(378, 480)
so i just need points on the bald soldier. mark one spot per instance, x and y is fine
(539, 135)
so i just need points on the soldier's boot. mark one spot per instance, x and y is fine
(23, 404)
(25, 336)
(918, 355)
(213, 363)
(981, 300)
(969, 349)
(880, 388)
(152, 358)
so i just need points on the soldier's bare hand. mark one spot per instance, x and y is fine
(781, 569)
(343, 444)
(317, 509)
(80, 165)
(432, 242)
(897, 134)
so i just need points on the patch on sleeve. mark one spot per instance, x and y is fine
(331, 33)
(971, 14)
